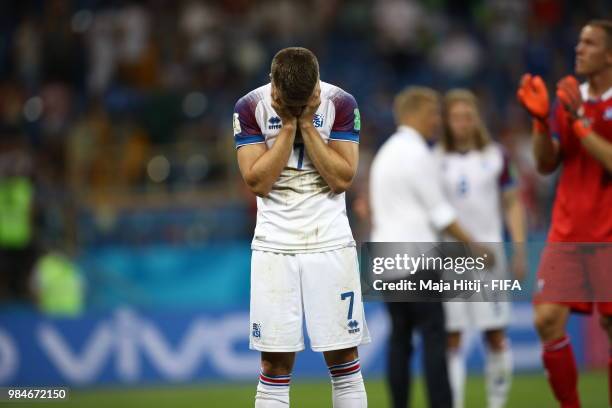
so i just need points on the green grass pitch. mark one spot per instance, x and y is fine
(528, 391)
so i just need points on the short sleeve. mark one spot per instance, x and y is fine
(246, 128)
(507, 176)
(347, 122)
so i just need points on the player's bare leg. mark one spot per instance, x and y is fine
(348, 390)
(456, 368)
(550, 320)
(557, 355)
(498, 368)
(274, 380)
(606, 324)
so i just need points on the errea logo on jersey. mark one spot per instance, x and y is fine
(274, 123)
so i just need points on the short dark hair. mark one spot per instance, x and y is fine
(295, 72)
(605, 25)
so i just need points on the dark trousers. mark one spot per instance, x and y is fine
(428, 319)
(15, 271)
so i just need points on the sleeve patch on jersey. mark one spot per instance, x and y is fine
(236, 122)
(357, 125)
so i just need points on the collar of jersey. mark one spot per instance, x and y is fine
(584, 91)
(408, 130)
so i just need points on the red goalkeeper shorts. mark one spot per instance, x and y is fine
(576, 275)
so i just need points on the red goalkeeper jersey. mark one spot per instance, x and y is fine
(583, 204)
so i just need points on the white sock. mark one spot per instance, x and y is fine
(348, 390)
(498, 373)
(456, 374)
(272, 391)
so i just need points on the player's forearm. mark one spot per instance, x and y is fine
(599, 148)
(265, 171)
(546, 152)
(455, 231)
(334, 169)
(515, 220)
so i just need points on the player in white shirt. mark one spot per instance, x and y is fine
(480, 185)
(297, 145)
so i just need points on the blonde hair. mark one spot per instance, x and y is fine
(481, 134)
(411, 99)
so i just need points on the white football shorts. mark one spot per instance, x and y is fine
(479, 315)
(322, 287)
(490, 314)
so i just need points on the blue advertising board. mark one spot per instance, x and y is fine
(128, 346)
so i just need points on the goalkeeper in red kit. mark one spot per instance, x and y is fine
(576, 134)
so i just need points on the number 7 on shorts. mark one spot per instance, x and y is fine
(352, 296)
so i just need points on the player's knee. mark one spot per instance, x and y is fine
(548, 324)
(496, 340)
(277, 363)
(453, 341)
(340, 356)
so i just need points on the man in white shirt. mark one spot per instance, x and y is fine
(408, 205)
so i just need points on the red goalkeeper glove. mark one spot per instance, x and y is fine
(568, 92)
(532, 94)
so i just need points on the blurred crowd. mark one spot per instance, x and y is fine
(127, 104)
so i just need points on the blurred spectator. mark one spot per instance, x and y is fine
(400, 27)
(457, 57)
(61, 48)
(17, 245)
(57, 285)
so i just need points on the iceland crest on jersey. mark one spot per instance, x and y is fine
(256, 330)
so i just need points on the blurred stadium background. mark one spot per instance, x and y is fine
(125, 226)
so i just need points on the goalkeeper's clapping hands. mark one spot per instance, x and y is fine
(532, 94)
(568, 93)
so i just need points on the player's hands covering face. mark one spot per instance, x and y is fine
(285, 115)
(311, 107)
